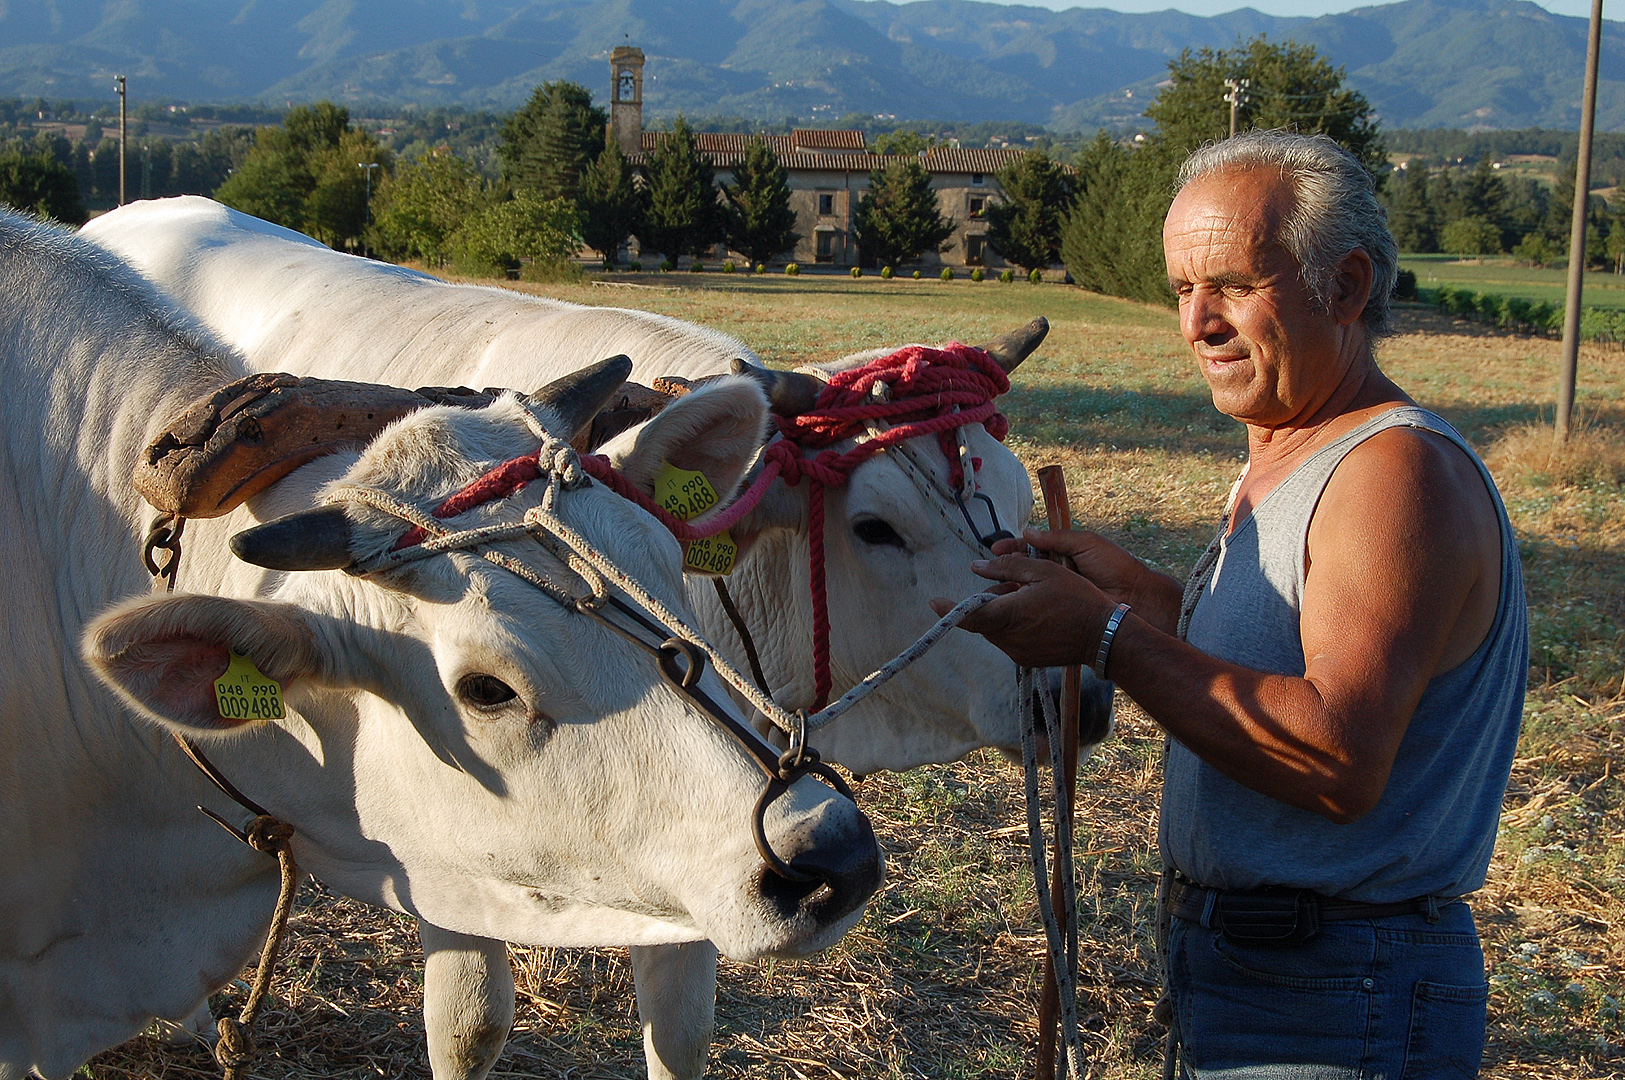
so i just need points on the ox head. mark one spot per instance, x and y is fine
(460, 746)
(890, 547)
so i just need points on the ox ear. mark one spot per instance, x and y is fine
(163, 654)
(716, 430)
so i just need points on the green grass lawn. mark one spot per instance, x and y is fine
(939, 980)
(1506, 277)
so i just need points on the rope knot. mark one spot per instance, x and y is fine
(559, 458)
(265, 833)
(235, 1049)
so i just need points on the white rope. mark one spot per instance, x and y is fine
(562, 469)
(1063, 953)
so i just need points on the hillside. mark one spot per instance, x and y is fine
(1423, 63)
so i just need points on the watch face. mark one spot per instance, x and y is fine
(627, 84)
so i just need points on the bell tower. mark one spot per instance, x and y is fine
(626, 98)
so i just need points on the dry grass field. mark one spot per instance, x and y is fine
(939, 979)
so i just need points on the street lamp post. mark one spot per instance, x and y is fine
(118, 81)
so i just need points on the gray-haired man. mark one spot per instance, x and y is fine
(1343, 674)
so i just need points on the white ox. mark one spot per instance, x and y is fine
(292, 304)
(444, 751)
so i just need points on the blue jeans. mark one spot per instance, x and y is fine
(1394, 998)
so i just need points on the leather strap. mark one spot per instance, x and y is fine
(1197, 903)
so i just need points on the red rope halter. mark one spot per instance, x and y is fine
(928, 392)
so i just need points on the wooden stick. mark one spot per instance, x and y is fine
(1052, 485)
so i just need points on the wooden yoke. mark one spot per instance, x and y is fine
(230, 445)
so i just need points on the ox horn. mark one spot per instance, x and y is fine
(579, 396)
(316, 539)
(790, 393)
(1011, 349)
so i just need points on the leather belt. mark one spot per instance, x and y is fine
(1284, 915)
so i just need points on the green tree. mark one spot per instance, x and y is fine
(1291, 86)
(40, 185)
(1025, 227)
(898, 218)
(1412, 217)
(760, 221)
(525, 227)
(611, 202)
(1471, 236)
(419, 208)
(549, 143)
(684, 217)
(903, 142)
(306, 175)
(1112, 239)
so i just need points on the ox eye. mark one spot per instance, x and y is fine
(484, 692)
(877, 533)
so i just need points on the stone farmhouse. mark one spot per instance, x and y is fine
(827, 172)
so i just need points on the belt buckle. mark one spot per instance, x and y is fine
(1279, 917)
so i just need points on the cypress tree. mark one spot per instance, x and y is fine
(1411, 215)
(1025, 228)
(611, 204)
(760, 221)
(897, 218)
(683, 216)
(1112, 240)
(549, 142)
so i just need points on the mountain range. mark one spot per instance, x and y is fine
(1421, 63)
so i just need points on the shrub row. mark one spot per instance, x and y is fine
(976, 274)
(1605, 325)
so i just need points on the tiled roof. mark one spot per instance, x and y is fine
(729, 142)
(966, 160)
(822, 139)
(837, 151)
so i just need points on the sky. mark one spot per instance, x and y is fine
(1279, 7)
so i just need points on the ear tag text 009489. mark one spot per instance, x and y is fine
(246, 693)
(685, 495)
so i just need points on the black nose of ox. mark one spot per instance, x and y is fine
(835, 847)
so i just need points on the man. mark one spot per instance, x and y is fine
(1343, 675)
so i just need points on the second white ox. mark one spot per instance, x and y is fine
(292, 304)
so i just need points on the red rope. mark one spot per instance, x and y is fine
(928, 392)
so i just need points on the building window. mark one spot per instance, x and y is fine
(826, 247)
(977, 179)
(975, 244)
(978, 203)
(826, 205)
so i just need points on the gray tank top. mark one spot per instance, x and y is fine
(1433, 829)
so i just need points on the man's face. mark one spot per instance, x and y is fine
(1270, 353)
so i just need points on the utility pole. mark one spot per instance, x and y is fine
(1236, 95)
(1577, 237)
(118, 81)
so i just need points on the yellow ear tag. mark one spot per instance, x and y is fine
(686, 495)
(246, 693)
(713, 554)
(683, 494)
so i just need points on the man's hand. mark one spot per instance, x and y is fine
(1048, 616)
(1123, 578)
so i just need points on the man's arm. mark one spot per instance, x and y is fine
(1404, 553)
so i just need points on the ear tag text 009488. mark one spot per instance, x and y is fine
(685, 495)
(246, 693)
